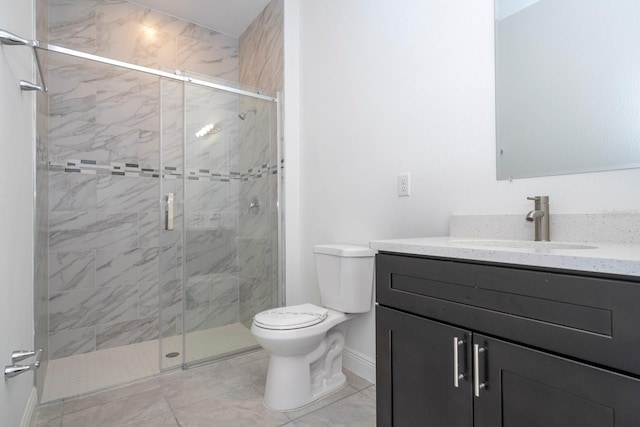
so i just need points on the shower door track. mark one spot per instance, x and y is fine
(174, 76)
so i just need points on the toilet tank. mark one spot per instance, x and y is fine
(345, 277)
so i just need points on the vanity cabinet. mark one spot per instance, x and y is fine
(473, 344)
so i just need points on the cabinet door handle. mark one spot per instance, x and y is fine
(457, 376)
(477, 385)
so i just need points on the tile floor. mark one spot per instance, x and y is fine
(226, 393)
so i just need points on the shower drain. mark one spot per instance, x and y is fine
(172, 354)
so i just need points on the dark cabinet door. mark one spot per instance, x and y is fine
(415, 372)
(529, 388)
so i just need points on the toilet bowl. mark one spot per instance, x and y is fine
(305, 342)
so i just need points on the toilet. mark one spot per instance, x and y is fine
(305, 341)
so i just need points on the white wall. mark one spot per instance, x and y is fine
(291, 150)
(17, 126)
(384, 87)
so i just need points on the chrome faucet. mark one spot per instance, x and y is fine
(540, 217)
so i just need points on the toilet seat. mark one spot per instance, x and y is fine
(292, 317)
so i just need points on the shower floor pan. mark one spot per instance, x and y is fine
(86, 373)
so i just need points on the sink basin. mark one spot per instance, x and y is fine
(521, 244)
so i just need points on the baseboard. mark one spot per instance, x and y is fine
(359, 364)
(31, 410)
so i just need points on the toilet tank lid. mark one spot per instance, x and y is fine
(344, 250)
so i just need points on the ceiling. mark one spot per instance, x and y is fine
(230, 17)
(505, 8)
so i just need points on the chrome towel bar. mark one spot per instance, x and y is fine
(11, 39)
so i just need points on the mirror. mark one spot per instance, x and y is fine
(567, 86)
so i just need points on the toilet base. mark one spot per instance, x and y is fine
(289, 392)
(332, 385)
(297, 381)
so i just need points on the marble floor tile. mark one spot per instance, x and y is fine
(356, 410)
(132, 410)
(370, 391)
(105, 397)
(249, 357)
(56, 422)
(318, 404)
(356, 381)
(49, 415)
(256, 372)
(224, 393)
(168, 420)
(205, 382)
(229, 412)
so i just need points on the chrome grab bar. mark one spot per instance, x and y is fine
(11, 39)
(14, 370)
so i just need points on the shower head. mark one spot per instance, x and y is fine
(244, 115)
(11, 39)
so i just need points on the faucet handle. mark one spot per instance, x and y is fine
(539, 199)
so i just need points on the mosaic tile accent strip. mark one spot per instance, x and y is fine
(114, 168)
(91, 167)
(257, 173)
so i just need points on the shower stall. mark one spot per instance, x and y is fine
(164, 228)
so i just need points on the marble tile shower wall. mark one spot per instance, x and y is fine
(261, 63)
(104, 128)
(121, 30)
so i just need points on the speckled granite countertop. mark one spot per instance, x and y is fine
(609, 258)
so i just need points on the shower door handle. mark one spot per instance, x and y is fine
(168, 212)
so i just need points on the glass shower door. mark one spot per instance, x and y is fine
(171, 284)
(229, 227)
(219, 257)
